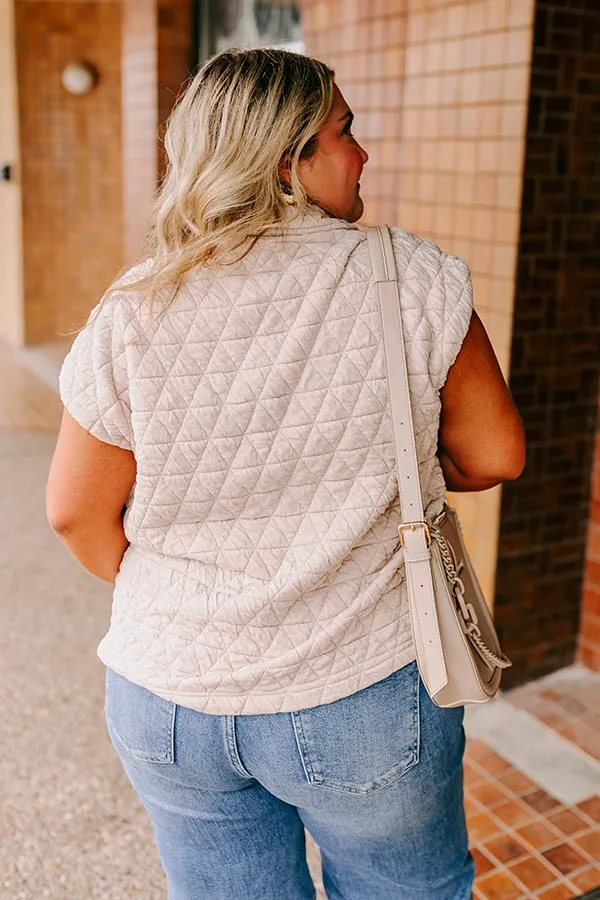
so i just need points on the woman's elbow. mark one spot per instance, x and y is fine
(512, 468)
(519, 462)
(515, 452)
(481, 466)
(507, 464)
(59, 520)
(62, 514)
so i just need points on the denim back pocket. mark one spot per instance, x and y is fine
(363, 742)
(139, 723)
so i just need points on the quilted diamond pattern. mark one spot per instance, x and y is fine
(264, 572)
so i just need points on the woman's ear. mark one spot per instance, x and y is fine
(283, 170)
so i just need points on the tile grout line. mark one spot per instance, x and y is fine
(514, 796)
(538, 818)
(560, 878)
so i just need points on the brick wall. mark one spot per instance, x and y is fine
(589, 624)
(556, 354)
(70, 161)
(90, 164)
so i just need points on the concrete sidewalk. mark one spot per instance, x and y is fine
(70, 827)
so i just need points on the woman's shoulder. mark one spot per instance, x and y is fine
(123, 303)
(129, 287)
(433, 282)
(426, 267)
(415, 250)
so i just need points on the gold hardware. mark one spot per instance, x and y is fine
(412, 526)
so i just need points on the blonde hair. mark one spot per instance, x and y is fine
(242, 115)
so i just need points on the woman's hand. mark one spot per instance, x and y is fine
(88, 485)
(481, 438)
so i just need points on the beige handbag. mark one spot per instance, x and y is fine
(458, 653)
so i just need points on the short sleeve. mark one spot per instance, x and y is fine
(437, 301)
(93, 381)
(456, 302)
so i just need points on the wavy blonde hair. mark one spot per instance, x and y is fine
(242, 115)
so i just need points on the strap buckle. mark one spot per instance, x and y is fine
(412, 526)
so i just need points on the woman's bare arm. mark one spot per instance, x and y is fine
(481, 439)
(88, 485)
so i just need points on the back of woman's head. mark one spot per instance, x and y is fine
(244, 114)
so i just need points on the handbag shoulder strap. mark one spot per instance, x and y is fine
(414, 531)
(385, 275)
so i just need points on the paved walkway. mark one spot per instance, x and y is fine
(70, 826)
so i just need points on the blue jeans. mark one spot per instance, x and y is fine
(376, 778)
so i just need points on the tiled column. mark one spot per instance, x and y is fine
(140, 119)
(440, 95)
(464, 111)
(156, 60)
(364, 43)
(11, 250)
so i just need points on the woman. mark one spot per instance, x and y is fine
(229, 396)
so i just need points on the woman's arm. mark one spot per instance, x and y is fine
(481, 440)
(88, 485)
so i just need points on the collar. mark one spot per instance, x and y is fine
(313, 218)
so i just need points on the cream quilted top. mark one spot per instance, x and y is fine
(264, 572)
